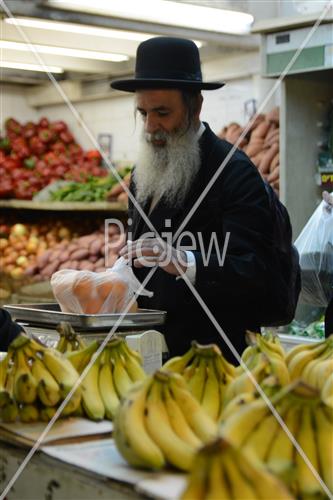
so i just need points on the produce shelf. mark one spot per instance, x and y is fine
(65, 206)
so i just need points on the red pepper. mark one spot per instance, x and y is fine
(11, 163)
(75, 149)
(93, 154)
(37, 146)
(13, 125)
(46, 135)
(58, 126)
(29, 130)
(43, 123)
(58, 147)
(66, 137)
(6, 189)
(51, 158)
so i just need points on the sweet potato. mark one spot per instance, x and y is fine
(84, 241)
(274, 176)
(257, 158)
(254, 147)
(275, 162)
(50, 269)
(86, 265)
(122, 197)
(273, 115)
(261, 130)
(95, 246)
(274, 137)
(43, 258)
(115, 191)
(64, 256)
(267, 158)
(80, 254)
(232, 128)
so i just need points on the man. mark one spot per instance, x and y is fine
(9, 329)
(179, 156)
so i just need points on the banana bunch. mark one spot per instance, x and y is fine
(256, 430)
(69, 340)
(159, 422)
(207, 374)
(34, 380)
(265, 359)
(221, 471)
(313, 363)
(109, 378)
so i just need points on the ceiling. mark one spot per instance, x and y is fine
(85, 69)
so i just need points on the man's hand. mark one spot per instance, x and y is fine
(151, 252)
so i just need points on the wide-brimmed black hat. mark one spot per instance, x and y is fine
(166, 62)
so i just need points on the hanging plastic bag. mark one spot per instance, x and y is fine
(86, 292)
(315, 247)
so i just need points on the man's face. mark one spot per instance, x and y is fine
(163, 113)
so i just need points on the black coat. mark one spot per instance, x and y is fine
(235, 293)
(8, 329)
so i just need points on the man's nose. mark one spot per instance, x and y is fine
(151, 124)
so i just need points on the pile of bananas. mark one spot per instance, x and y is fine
(221, 471)
(34, 380)
(314, 364)
(207, 374)
(254, 428)
(69, 340)
(265, 358)
(109, 378)
(159, 422)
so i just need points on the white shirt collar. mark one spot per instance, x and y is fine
(201, 130)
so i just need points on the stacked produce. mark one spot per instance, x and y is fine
(255, 429)
(33, 155)
(314, 365)
(109, 378)
(117, 192)
(22, 244)
(207, 374)
(159, 422)
(265, 359)
(261, 144)
(34, 380)
(221, 471)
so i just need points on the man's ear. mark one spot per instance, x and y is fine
(200, 101)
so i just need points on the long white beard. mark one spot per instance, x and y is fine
(167, 171)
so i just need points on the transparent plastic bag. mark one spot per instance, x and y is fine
(86, 292)
(315, 247)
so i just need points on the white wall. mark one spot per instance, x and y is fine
(13, 104)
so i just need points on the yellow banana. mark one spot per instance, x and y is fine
(259, 440)
(211, 394)
(243, 383)
(133, 367)
(130, 433)
(217, 486)
(25, 385)
(91, 398)
(201, 423)
(189, 371)
(121, 378)
(323, 438)
(197, 382)
(236, 403)
(239, 485)
(106, 387)
(280, 458)
(300, 360)
(178, 421)
(322, 372)
(266, 485)
(306, 481)
(80, 358)
(9, 411)
(4, 395)
(198, 482)
(46, 413)
(239, 425)
(179, 363)
(176, 451)
(61, 369)
(28, 413)
(48, 389)
(305, 347)
(327, 391)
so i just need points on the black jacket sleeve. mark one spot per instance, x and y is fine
(8, 330)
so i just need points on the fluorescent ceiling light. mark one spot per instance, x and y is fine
(30, 67)
(164, 12)
(64, 51)
(82, 29)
